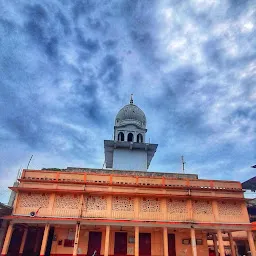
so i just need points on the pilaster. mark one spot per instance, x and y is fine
(24, 237)
(137, 233)
(76, 238)
(215, 244)
(251, 242)
(165, 236)
(221, 244)
(232, 246)
(215, 210)
(45, 238)
(7, 240)
(106, 248)
(193, 241)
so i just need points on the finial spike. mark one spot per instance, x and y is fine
(183, 164)
(131, 100)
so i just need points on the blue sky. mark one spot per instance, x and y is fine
(67, 67)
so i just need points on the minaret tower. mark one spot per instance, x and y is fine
(128, 150)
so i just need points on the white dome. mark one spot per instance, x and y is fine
(131, 114)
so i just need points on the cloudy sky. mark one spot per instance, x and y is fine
(67, 67)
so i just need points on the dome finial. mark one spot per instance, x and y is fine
(131, 100)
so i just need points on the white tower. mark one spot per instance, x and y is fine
(128, 150)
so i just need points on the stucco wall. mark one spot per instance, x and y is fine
(130, 129)
(130, 159)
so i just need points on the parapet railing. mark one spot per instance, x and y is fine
(124, 180)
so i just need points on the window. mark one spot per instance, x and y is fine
(130, 137)
(120, 136)
(139, 138)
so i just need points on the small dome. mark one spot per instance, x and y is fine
(131, 114)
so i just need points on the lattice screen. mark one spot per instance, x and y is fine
(33, 200)
(96, 203)
(202, 207)
(150, 205)
(176, 206)
(67, 201)
(229, 209)
(122, 203)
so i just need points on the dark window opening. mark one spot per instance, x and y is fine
(130, 137)
(120, 136)
(139, 138)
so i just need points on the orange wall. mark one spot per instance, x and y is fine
(61, 234)
(72, 205)
(156, 242)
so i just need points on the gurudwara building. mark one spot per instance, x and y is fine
(122, 209)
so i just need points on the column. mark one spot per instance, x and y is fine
(215, 244)
(137, 234)
(45, 239)
(165, 235)
(193, 241)
(251, 242)
(106, 249)
(221, 244)
(7, 240)
(76, 238)
(24, 236)
(232, 246)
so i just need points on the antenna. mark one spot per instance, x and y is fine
(183, 164)
(29, 161)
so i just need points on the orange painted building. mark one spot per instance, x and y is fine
(81, 211)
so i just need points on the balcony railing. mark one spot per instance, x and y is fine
(149, 216)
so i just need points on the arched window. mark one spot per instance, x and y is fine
(120, 136)
(130, 137)
(139, 138)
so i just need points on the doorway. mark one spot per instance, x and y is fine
(120, 243)
(171, 245)
(145, 244)
(15, 242)
(94, 243)
(33, 241)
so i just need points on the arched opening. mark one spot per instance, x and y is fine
(130, 137)
(120, 136)
(139, 138)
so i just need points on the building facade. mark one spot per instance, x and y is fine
(123, 209)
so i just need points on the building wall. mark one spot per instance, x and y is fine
(156, 242)
(125, 159)
(61, 234)
(131, 198)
